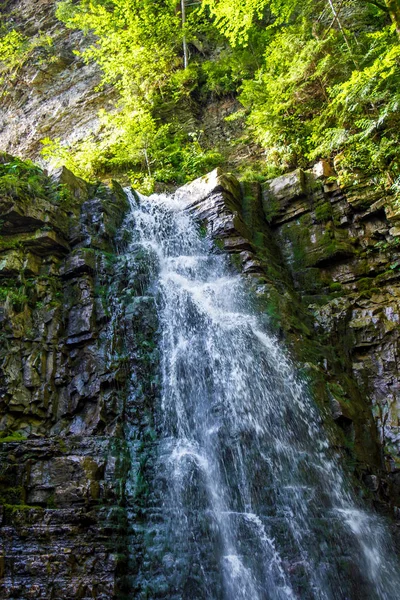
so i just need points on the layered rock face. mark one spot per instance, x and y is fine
(341, 245)
(79, 376)
(53, 93)
(62, 453)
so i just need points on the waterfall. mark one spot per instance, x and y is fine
(248, 501)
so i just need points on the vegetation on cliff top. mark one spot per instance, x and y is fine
(316, 78)
(24, 180)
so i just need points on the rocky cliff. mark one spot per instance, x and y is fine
(323, 262)
(78, 325)
(61, 400)
(79, 356)
(52, 93)
(341, 246)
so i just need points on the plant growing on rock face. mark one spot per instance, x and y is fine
(16, 436)
(26, 181)
(15, 50)
(137, 47)
(317, 79)
(139, 50)
(20, 179)
(16, 296)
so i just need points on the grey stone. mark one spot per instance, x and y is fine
(286, 187)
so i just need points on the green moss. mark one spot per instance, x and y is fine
(365, 284)
(271, 209)
(323, 212)
(273, 308)
(236, 261)
(12, 495)
(50, 503)
(16, 508)
(385, 276)
(335, 287)
(23, 180)
(17, 436)
(299, 238)
(312, 184)
(202, 231)
(10, 243)
(62, 446)
(219, 244)
(259, 240)
(337, 391)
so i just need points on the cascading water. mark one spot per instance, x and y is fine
(248, 501)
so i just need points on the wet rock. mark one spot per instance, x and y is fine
(203, 187)
(80, 324)
(77, 187)
(326, 261)
(61, 397)
(80, 261)
(372, 482)
(341, 248)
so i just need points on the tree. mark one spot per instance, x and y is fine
(316, 77)
(185, 46)
(394, 11)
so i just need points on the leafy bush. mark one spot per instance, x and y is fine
(15, 50)
(25, 180)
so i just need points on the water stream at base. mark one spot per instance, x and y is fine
(252, 504)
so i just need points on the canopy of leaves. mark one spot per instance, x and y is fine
(328, 84)
(317, 78)
(235, 18)
(139, 50)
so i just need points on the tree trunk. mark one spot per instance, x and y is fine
(146, 157)
(342, 31)
(185, 47)
(394, 11)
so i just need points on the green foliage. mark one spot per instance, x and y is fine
(151, 134)
(13, 294)
(323, 212)
(235, 18)
(138, 49)
(26, 181)
(136, 42)
(324, 91)
(20, 179)
(16, 436)
(316, 79)
(13, 47)
(15, 50)
(363, 116)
